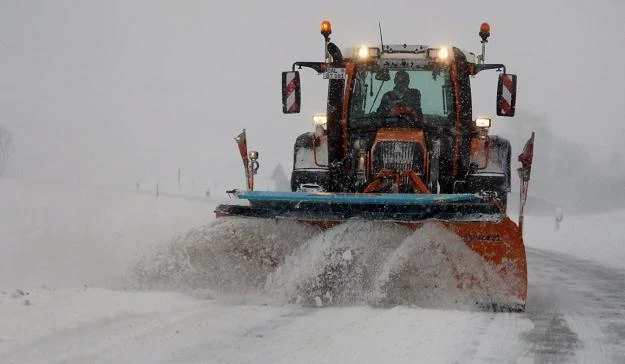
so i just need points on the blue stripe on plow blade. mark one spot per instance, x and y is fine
(360, 198)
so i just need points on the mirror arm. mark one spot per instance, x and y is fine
(317, 66)
(482, 67)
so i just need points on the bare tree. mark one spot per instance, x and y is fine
(6, 148)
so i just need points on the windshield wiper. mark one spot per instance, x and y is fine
(376, 95)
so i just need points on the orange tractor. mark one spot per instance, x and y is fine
(399, 144)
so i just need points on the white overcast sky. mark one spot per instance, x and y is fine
(110, 92)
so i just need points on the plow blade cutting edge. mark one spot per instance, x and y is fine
(477, 220)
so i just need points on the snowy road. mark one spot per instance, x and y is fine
(578, 310)
(575, 308)
(575, 313)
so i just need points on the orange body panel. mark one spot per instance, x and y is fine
(401, 134)
(407, 134)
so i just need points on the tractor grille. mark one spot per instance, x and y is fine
(397, 156)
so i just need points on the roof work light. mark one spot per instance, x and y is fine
(363, 52)
(441, 53)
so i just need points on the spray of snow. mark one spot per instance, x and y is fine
(387, 264)
(228, 255)
(338, 265)
(357, 262)
(433, 267)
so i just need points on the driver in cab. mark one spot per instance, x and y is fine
(402, 101)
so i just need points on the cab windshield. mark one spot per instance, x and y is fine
(379, 96)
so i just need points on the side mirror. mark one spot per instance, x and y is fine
(506, 94)
(291, 92)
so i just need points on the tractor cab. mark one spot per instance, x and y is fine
(399, 120)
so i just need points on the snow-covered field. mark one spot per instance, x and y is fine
(68, 294)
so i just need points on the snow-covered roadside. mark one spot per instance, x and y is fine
(27, 315)
(62, 244)
(63, 236)
(596, 237)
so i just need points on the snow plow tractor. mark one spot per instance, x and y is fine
(399, 148)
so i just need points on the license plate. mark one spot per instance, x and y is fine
(334, 73)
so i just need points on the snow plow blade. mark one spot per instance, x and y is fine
(323, 207)
(478, 221)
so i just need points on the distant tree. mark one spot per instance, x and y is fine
(6, 148)
(564, 172)
(280, 179)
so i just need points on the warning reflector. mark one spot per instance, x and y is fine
(291, 94)
(506, 94)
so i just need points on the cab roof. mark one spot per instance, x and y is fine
(402, 51)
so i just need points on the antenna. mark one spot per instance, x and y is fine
(381, 41)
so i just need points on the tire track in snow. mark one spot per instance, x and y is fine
(577, 309)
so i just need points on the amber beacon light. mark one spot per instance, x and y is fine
(484, 31)
(326, 28)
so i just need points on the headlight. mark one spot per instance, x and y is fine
(320, 120)
(482, 122)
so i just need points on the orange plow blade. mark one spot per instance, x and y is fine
(396, 249)
(502, 245)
